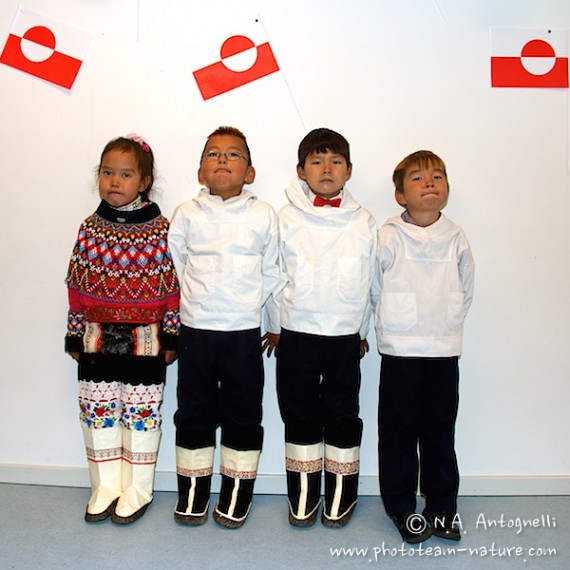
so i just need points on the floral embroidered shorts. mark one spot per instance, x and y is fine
(137, 407)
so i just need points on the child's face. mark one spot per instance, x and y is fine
(224, 177)
(425, 193)
(325, 172)
(120, 180)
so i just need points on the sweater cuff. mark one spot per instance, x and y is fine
(73, 344)
(171, 323)
(169, 341)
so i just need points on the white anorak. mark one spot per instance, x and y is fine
(425, 287)
(226, 257)
(328, 260)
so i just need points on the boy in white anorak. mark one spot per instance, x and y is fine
(225, 248)
(425, 287)
(327, 249)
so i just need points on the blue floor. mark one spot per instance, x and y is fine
(43, 527)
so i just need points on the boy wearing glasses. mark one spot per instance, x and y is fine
(225, 249)
(327, 244)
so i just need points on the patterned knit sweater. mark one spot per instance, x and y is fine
(121, 271)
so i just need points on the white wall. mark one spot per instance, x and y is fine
(393, 77)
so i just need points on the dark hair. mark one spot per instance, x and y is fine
(232, 131)
(421, 159)
(143, 156)
(321, 140)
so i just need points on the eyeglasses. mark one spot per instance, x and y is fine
(230, 156)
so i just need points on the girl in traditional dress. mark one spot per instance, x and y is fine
(123, 325)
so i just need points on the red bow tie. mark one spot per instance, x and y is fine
(320, 201)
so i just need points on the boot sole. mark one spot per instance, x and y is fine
(117, 519)
(340, 522)
(191, 520)
(227, 523)
(104, 515)
(302, 523)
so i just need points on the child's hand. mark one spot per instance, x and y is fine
(170, 356)
(363, 348)
(74, 355)
(269, 342)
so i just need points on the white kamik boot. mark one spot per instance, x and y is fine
(140, 452)
(103, 447)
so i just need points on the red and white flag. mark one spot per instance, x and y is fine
(46, 48)
(529, 58)
(242, 60)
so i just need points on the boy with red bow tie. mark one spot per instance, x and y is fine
(327, 245)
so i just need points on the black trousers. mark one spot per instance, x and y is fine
(220, 383)
(417, 410)
(318, 385)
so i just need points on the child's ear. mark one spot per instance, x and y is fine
(400, 198)
(144, 184)
(200, 177)
(301, 173)
(249, 175)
